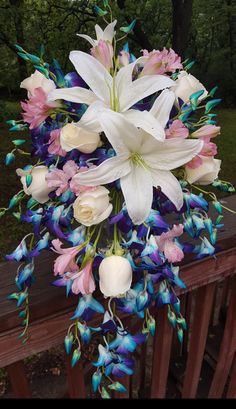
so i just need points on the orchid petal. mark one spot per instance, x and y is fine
(142, 88)
(169, 154)
(137, 190)
(162, 106)
(169, 185)
(93, 73)
(109, 170)
(78, 95)
(146, 121)
(123, 136)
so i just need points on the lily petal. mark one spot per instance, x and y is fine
(146, 121)
(162, 106)
(138, 193)
(99, 32)
(169, 185)
(88, 38)
(109, 170)
(78, 95)
(169, 154)
(90, 119)
(142, 88)
(124, 76)
(93, 73)
(123, 136)
(108, 33)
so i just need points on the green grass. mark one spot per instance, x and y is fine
(11, 231)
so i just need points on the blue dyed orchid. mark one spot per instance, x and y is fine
(105, 356)
(125, 342)
(85, 332)
(87, 307)
(151, 249)
(120, 366)
(20, 253)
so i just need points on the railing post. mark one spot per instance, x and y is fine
(75, 379)
(18, 380)
(227, 349)
(199, 331)
(161, 354)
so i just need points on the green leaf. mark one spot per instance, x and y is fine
(213, 91)
(180, 335)
(105, 394)
(28, 180)
(129, 28)
(18, 142)
(24, 56)
(68, 342)
(22, 314)
(75, 357)
(13, 296)
(43, 70)
(99, 12)
(212, 104)
(117, 386)
(10, 157)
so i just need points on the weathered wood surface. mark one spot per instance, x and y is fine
(50, 313)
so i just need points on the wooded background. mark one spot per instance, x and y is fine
(204, 31)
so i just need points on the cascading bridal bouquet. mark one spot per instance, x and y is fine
(122, 143)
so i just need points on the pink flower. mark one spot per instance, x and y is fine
(76, 188)
(83, 281)
(161, 62)
(194, 163)
(103, 52)
(54, 143)
(59, 179)
(124, 58)
(209, 149)
(207, 132)
(166, 244)
(37, 109)
(66, 261)
(177, 130)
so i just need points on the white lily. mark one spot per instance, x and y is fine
(141, 163)
(119, 93)
(105, 35)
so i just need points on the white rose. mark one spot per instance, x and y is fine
(206, 173)
(92, 207)
(186, 84)
(37, 80)
(73, 137)
(115, 276)
(38, 188)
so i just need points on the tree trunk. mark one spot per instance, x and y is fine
(18, 11)
(181, 25)
(139, 34)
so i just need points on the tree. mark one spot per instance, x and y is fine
(181, 25)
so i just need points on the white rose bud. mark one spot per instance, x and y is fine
(74, 137)
(115, 276)
(186, 84)
(38, 187)
(92, 207)
(37, 80)
(206, 173)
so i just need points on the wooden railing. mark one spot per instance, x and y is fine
(163, 365)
